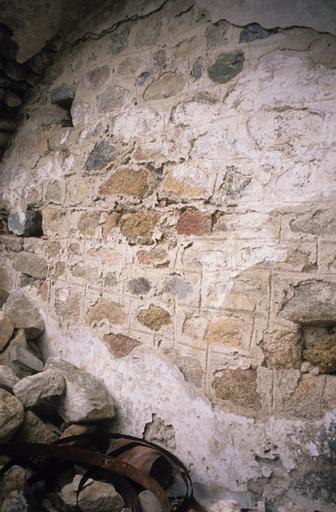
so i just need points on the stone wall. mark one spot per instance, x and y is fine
(189, 235)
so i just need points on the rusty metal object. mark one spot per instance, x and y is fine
(147, 459)
(88, 458)
(128, 462)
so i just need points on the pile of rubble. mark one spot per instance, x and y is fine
(42, 402)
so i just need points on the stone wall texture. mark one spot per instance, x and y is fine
(188, 256)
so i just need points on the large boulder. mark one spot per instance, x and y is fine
(85, 398)
(36, 389)
(23, 313)
(100, 497)
(11, 415)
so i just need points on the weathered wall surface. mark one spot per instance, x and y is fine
(190, 236)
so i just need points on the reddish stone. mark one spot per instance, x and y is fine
(194, 222)
(120, 345)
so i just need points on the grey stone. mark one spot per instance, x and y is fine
(139, 286)
(25, 223)
(102, 154)
(11, 415)
(197, 70)
(63, 95)
(32, 265)
(119, 38)
(8, 379)
(311, 302)
(149, 502)
(35, 430)
(252, 32)
(15, 502)
(226, 67)
(24, 358)
(111, 98)
(24, 314)
(177, 286)
(85, 398)
(33, 391)
(160, 58)
(100, 497)
(6, 330)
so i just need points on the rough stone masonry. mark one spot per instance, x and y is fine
(179, 161)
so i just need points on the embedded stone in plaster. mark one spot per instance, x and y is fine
(105, 310)
(169, 84)
(102, 154)
(176, 285)
(320, 348)
(120, 345)
(110, 223)
(125, 181)
(139, 286)
(68, 304)
(311, 302)
(139, 227)
(154, 317)
(88, 223)
(226, 67)
(282, 346)
(157, 257)
(119, 38)
(96, 77)
(194, 222)
(238, 387)
(112, 98)
(32, 265)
